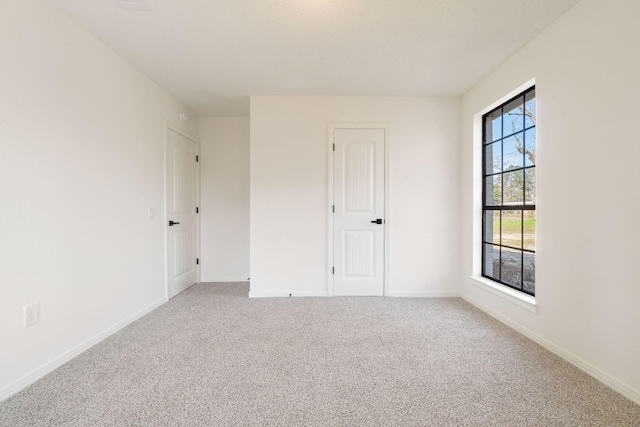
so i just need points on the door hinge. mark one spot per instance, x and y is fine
(333, 209)
(197, 261)
(197, 158)
(334, 147)
(197, 209)
(333, 270)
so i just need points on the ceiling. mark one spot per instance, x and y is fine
(213, 54)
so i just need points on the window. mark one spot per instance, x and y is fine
(509, 193)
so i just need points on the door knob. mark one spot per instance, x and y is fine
(172, 223)
(376, 221)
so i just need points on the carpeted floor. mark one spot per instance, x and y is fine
(213, 357)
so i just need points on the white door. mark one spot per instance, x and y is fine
(181, 213)
(358, 230)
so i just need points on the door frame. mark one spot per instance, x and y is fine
(168, 126)
(330, 197)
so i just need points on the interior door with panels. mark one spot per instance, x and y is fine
(181, 186)
(359, 208)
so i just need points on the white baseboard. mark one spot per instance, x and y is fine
(613, 383)
(221, 279)
(428, 294)
(34, 376)
(284, 294)
(401, 294)
(606, 379)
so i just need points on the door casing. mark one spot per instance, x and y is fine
(330, 197)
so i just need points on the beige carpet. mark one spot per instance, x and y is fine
(213, 357)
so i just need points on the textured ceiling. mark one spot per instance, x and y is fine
(213, 54)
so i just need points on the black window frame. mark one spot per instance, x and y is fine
(512, 206)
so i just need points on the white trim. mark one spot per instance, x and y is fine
(35, 375)
(606, 379)
(283, 294)
(523, 300)
(515, 92)
(331, 127)
(222, 279)
(177, 129)
(427, 294)
(329, 211)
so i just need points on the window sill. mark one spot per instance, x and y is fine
(523, 300)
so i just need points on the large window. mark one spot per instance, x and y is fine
(509, 193)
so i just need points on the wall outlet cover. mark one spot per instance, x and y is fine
(31, 314)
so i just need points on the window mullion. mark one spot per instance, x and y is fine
(501, 189)
(524, 186)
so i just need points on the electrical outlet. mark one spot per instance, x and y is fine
(31, 314)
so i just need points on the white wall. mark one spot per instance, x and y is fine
(81, 161)
(289, 179)
(587, 72)
(224, 183)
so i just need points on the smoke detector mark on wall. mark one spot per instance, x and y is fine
(134, 5)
